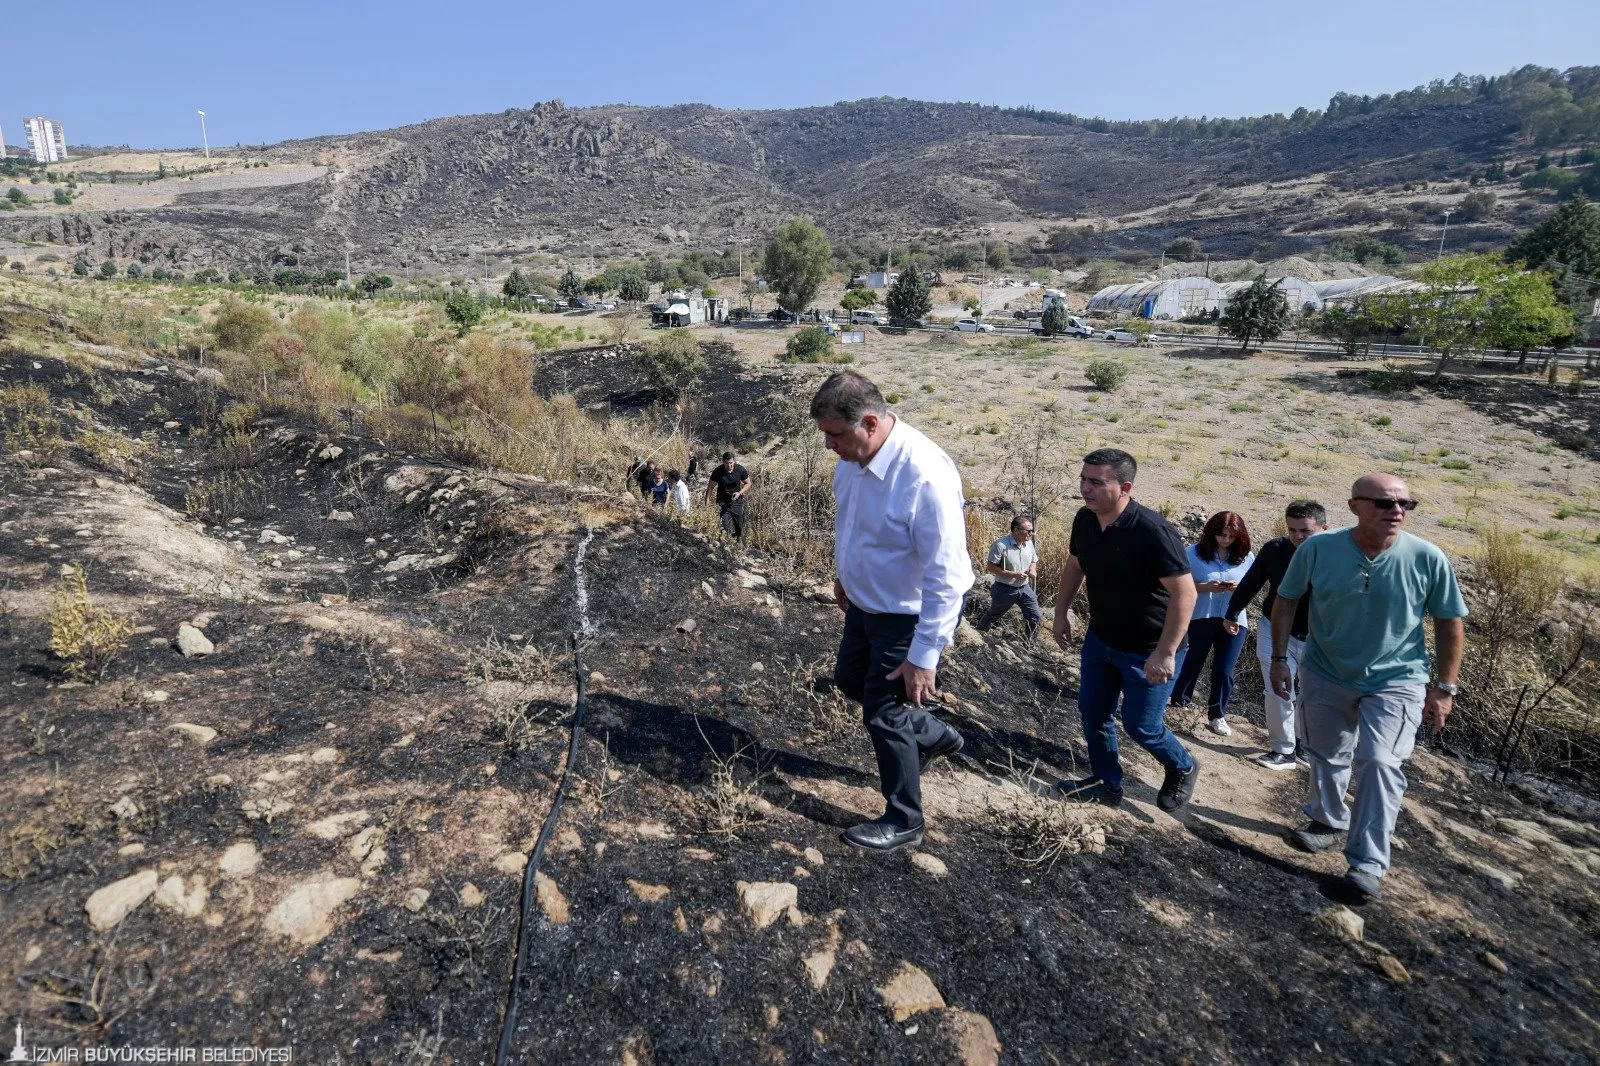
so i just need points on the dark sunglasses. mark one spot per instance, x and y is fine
(1383, 503)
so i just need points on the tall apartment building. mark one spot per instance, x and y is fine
(46, 139)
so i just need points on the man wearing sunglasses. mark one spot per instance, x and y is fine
(1364, 680)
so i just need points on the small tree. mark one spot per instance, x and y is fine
(672, 362)
(369, 283)
(1451, 311)
(240, 326)
(909, 297)
(62, 197)
(135, 270)
(1349, 326)
(1106, 375)
(570, 286)
(811, 345)
(1055, 318)
(1260, 311)
(796, 262)
(632, 285)
(1184, 248)
(17, 196)
(108, 269)
(858, 299)
(1526, 314)
(517, 286)
(463, 311)
(80, 265)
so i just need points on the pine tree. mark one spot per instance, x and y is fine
(1260, 312)
(909, 296)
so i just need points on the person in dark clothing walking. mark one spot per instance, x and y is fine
(1140, 600)
(1217, 563)
(1304, 520)
(694, 468)
(731, 482)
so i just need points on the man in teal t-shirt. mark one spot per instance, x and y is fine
(1364, 677)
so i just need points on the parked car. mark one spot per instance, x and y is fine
(581, 303)
(821, 318)
(971, 325)
(607, 305)
(1120, 336)
(908, 323)
(778, 314)
(867, 318)
(1076, 327)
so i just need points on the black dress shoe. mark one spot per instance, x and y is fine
(946, 746)
(1089, 790)
(1178, 788)
(881, 837)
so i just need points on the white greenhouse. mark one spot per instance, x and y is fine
(1301, 294)
(1170, 298)
(1346, 290)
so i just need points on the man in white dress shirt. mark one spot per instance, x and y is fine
(900, 555)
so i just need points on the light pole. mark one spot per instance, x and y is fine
(203, 139)
(1442, 233)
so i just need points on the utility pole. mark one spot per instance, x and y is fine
(1442, 233)
(203, 139)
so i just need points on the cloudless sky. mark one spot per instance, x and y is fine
(115, 72)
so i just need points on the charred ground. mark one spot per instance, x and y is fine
(423, 693)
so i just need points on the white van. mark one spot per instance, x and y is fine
(867, 318)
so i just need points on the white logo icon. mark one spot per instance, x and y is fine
(18, 1052)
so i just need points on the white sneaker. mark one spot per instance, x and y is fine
(1220, 727)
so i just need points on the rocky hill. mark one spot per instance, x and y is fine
(618, 180)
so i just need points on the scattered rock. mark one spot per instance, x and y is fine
(330, 453)
(240, 860)
(818, 966)
(335, 826)
(266, 808)
(208, 375)
(822, 594)
(764, 902)
(1342, 922)
(471, 895)
(193, 643)
(973, 1037)
(171, 425)
(748, 580)
(814, 857)
(688, 625)
(155, 696)
(648, 893)
(341, 516)
(125, 809)
(567, 841)
(416, 899)
(910, 992)
(171, 896)
(305, 913)
(968, 637)
(1494, 962)
(366, 847)
(200, 734)
(551, 900)
(929, 864)
(271, 536)
(1392, 968)
(127, 851)
(512, 862)
(325, 755)
(705, 587)
(114, 902)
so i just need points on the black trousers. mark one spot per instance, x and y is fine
(872, 646)
(733, 523)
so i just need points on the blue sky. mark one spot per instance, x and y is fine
(134, 73)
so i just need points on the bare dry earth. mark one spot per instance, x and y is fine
(312, 834)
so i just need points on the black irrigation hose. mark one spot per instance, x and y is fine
(532, 868)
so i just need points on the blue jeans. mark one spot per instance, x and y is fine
(1107, 676)
(1207, 636)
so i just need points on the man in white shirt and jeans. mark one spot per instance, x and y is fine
(900, 556)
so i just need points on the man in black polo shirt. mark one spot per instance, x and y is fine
(1304, 520)
(1140, 599)
(731, 481)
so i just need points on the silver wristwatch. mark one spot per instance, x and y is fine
(1448, 690)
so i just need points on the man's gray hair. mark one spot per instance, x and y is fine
(848, 396)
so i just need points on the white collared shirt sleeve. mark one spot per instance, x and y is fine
(939, 535)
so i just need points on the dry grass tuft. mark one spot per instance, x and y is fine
(85, 637)
(28, 422)
(732, 802)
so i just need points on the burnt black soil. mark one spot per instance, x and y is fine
(1069, 962)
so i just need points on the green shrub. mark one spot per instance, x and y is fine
(672, 362)
(1106, 374)
(239, 326)
(1392, 378)
(813, 345)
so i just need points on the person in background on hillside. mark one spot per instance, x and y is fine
(694, 468)
(678, 492)
(658, 487)
(1364, 679)
(1303, 519)
(1014, 560)
(900, 556)
(645, 477)
(1140, 600)
(1217, 562)
(635, 472)
(731, 482)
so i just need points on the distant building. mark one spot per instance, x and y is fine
(46, 139)
(1301, 295)
(1169, 298)
(681, 309)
